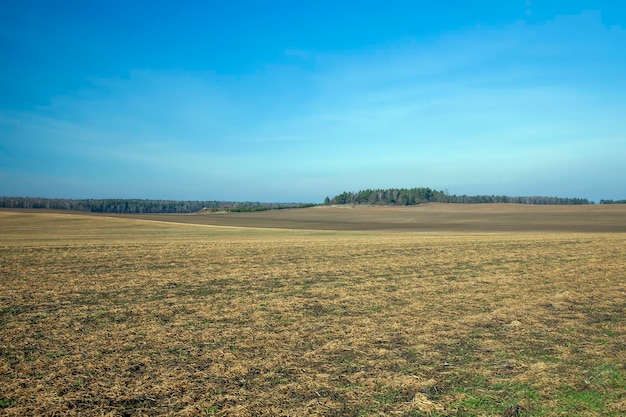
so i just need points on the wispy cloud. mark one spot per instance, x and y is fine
(512, 103)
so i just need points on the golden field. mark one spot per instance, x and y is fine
(133, 317)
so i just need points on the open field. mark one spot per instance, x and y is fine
(127, 317)
(426, 218)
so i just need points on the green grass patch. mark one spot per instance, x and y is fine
(6, 402)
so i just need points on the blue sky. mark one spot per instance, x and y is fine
(296, 100)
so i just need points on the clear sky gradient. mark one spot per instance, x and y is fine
(291, 101)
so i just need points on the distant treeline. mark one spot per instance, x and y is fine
(413, 196)
(140, 206)
(612, 201)
(391, 196)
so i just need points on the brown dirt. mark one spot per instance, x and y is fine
(426, 218)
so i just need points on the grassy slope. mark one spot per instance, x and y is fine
(124, 317)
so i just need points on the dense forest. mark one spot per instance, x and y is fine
(413, 196)
(140, 206)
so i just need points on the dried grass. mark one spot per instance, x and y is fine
(102, 316)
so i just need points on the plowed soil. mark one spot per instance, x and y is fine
(427, 218)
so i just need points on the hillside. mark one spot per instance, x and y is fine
(423, 218)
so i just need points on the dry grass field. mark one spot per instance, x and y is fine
(103, 316)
